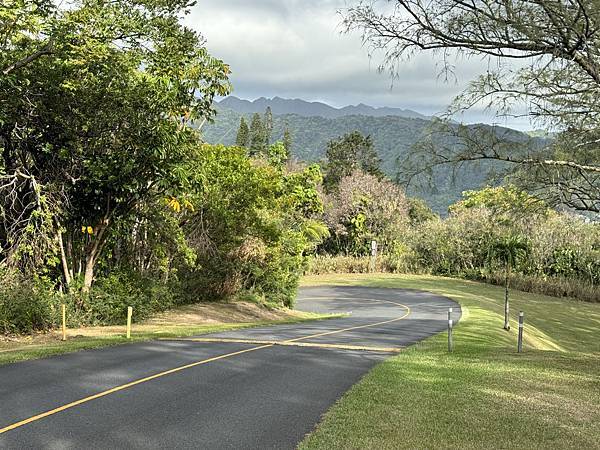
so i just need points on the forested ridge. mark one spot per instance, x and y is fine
(394, 138)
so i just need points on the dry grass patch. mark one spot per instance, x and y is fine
(183, 321)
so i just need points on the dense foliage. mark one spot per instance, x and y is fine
(490, 235)
(364, 208)
(108, 199)
(351, 152)
(249, 224)
(394, 138)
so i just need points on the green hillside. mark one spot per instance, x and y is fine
(393, 137)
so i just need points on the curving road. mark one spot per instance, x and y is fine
(256, 388)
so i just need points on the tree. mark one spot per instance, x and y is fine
(287, 140)
(363, 208)
(243, 134)
(99, 126)
(351, 152)
(27, 33)
(250, 224)
(507, 203)
(277, 155)
(559, 82)
(511, 250)
(268, 126)
(419, 211)
(257, 135)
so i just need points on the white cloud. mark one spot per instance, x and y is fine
(293, 48)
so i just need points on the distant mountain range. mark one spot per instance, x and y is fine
(300, 107)
(394, 136)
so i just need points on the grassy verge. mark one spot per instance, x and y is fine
(180, 322)
(484, 395)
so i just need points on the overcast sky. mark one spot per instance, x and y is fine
(294, 49)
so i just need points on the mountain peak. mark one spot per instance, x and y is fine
(305, 108)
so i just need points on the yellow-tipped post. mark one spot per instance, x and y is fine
(129, 314)
(64, 321)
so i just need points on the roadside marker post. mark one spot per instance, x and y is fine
(129, 314)
(520, 342)
(450, 343)
(64, 321)
(372, 262)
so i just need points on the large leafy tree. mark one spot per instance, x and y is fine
(95, 126)
(548, 61)
(251, 223)
(348, 153)
(27, 32)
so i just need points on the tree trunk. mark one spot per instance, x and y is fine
(88, 276)
(93, 252)
(69, 253)
(63, 260)
(506, 305)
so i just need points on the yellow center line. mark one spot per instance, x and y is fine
(327, 333)
(194, 364)
(122, 387)
(289, 344)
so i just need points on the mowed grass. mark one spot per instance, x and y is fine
(180, 322)
(485, 394)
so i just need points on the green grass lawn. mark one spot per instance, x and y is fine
(485, 394)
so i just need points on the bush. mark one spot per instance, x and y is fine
(26, 305)
(554, 286)
(250, 226)
(323, 264)
(107, 302)
(362, 208)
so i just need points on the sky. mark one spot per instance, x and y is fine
(296, 49)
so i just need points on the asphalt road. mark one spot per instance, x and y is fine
(192, 394)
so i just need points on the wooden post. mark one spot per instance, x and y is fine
(64, 321)
(129, 314)
(373, 261)
(450, 343)
(520, 342)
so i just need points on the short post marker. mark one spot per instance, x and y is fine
(63, 308)
(373, 259)
(129, 314)
(450, 343)
(520, 342)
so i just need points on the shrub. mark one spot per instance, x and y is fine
(323, 264)
(29, 305)
(26, 304)
(554, 286)
(250, 226)
(107, 302)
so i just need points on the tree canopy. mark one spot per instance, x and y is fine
(348, 153)
(93, 126)
(554, 47)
